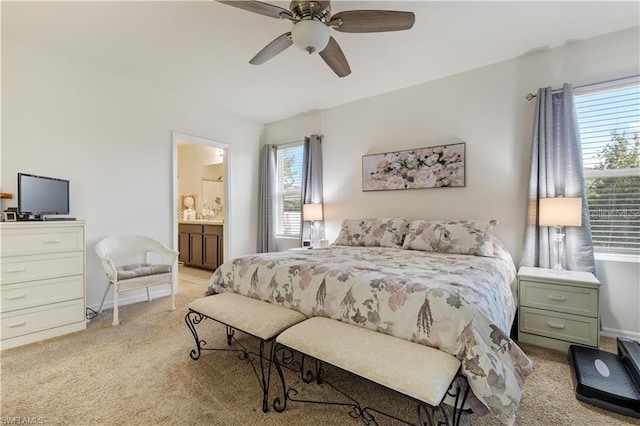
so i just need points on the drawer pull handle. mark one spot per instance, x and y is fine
(56, 241)
(19, 296)
(554, 325)
(556, 298)
(20, 324)
(13, 271)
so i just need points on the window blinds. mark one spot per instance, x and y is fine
(609, 120)
(289, 190)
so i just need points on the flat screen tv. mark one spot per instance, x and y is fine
(40, 196)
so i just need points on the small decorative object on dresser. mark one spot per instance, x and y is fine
(557, 309)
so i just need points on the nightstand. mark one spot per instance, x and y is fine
(558, 308)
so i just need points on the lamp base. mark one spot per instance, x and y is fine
(558, 245)
(313, 234)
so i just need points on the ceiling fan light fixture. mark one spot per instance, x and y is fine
(310, 35)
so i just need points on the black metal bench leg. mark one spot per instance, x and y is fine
(428, 415)
(458, 408)
(192, 319)
(266, 378)
(287, 357)
(230, 334)
(425, 416)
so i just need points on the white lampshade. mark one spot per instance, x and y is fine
(312, 212)
(310, 35)
(560, 211)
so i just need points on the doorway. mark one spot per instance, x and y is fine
(199, 197)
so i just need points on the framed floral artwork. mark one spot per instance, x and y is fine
(432, 167)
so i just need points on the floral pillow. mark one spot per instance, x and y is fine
(384, 232)
(457, 236)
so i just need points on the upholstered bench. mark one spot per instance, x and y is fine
(420, 372)
(262, 320)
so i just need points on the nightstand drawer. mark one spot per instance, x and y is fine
(571, 328)
(562, 298)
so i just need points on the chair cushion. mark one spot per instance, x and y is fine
(141, 270)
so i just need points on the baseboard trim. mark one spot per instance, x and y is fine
(128, 300)
(612, 332)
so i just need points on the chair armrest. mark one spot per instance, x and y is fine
(110, 269)
(168, 256)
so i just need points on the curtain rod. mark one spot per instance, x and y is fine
(530, 96)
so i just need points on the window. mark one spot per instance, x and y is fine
(289, 189)
(609, 120)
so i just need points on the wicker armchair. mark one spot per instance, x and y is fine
(125, 259)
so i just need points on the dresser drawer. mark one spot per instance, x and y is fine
(571, 328)
(37, 293)
(562, 298)
(32, 320)
(41, 239)
(16, 269)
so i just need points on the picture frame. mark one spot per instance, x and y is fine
(441, 166)
(10, 216)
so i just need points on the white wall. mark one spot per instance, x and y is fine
(111, 137)
(486, 108)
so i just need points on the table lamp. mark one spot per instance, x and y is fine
(559, 212)
(312, 213)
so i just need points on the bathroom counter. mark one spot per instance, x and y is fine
(201, 222)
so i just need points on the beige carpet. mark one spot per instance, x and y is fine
(194, 275)
(140, 373)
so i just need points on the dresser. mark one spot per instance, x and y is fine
(558, 308)
(42, 280)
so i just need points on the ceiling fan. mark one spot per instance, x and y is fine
(312, 21)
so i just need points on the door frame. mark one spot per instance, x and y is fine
(226, 208)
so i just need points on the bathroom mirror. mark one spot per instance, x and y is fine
(213, 191)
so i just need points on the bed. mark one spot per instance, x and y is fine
(448, 285)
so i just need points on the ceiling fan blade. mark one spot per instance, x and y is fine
(272, 49)
(372, 21)
(333, 56)
(259, 7)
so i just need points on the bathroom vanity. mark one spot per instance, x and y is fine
(201, 243)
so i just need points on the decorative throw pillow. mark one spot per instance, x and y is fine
(457, 236)
(383, 232)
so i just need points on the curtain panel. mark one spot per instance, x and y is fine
(312, 184)
(556, 170)
(267, 202)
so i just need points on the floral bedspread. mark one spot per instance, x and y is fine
(461, 304)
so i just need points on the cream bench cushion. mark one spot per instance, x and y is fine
(258, 318)
(418, 371)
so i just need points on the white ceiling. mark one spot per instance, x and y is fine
(200, 50)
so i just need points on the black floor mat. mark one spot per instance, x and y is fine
(601, 379)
